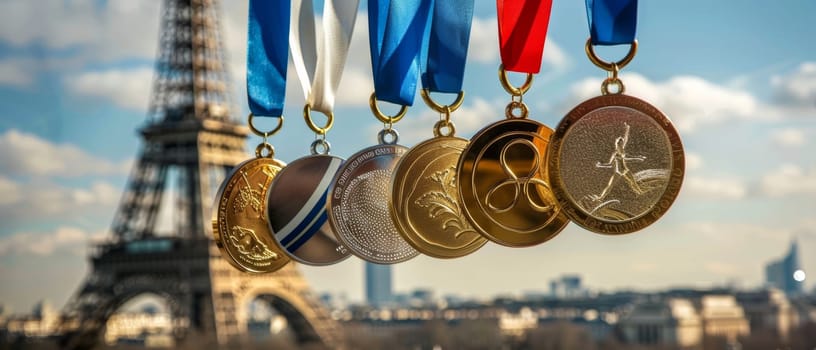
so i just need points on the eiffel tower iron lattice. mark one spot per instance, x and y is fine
(190, 143)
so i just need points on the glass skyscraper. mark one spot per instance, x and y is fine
(780, 273)
(378, 284)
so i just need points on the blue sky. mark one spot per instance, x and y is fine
(738, 78)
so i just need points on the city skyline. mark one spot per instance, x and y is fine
(75, 89)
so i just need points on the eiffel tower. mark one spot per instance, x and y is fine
(190, 143)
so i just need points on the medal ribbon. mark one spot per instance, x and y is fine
(395, 33)
(267, 51)
(319, 67)
(447, 46)
(522, 31)
(612, 22)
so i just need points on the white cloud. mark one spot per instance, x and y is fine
(128, 88)
(789, 179)
(689, 101)
(789, 137)
(28, 155)
(797, 89)
(63, 238)
(721, 268)
(693, 161)
(103, 31)
(16, 72)
(33, 201)
(10, 191)
(714, 188)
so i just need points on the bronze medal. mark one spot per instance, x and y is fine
(425, 202)
(616, 164)
(240, 228)
(616, 161)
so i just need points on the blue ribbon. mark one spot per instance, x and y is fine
(267, 56)
(612, 22)
(447, 45)
(395, 30)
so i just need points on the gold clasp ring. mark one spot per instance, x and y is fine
(610, 66)
(426, 96)
(390, 120)
(261, 133)
(513, 90)
(307, 115)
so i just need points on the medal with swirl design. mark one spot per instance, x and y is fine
(425, 202)
(240, 226)
(504, 186)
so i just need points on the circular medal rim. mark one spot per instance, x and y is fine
(330, 204)
(676, 173)
(219, 221)
(292, 255)
(412, 236)
(560, 221)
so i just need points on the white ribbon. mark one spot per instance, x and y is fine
(320, 67)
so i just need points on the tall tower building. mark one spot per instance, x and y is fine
(378, 284)
(786, 273)
(190, 142)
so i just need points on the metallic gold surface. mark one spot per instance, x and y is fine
(616, 164)
(504, 187)
(240, 228)
(358, 206)
(425, 203)
(296, 207)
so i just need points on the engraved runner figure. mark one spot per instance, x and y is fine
(618, 162)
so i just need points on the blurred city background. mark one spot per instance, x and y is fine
(120, 118)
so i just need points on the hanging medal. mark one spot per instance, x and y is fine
(424, 194)
(616, 161)
(359, 201)
(297, 198)
(240, 227)
(503, 182)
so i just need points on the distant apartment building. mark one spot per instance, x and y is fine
(769, 309)
(722, 316)
(668, 322)
(41, 323)
(786, 273)
(683, 322)
(568, 287)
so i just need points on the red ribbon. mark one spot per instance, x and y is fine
(522, 30)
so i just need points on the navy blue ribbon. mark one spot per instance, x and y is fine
(395, 34)
(612, 22)
(447, 45)
(267, 56)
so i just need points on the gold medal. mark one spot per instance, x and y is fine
(425, 202)
(503, 179)
(616, 162)
(240, 227)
